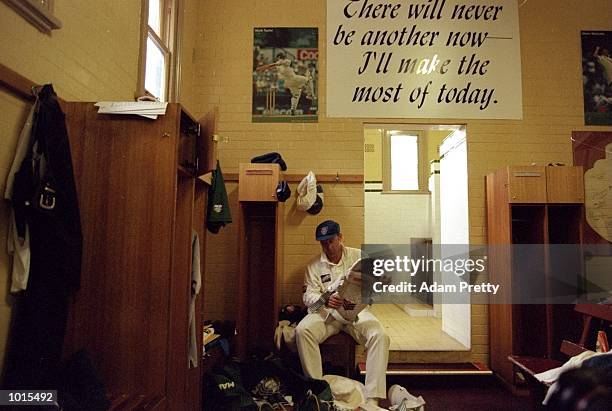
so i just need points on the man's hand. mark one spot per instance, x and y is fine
(334, 301)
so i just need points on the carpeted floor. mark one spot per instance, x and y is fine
(448, 393)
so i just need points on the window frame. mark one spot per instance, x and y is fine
(386, 161)
(167, 42)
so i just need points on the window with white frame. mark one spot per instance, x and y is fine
(404, 161)
(157, 59)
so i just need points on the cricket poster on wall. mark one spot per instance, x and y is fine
(285, 75)
(597, 77)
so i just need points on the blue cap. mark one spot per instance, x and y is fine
(327, 229)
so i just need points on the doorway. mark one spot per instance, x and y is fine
(415, 193)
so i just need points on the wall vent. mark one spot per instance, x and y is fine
(369, 148)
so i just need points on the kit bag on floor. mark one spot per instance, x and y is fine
(223, 390)
(307, 394)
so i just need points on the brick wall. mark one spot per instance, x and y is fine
(552, 103)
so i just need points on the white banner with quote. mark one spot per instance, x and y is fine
(423, 59)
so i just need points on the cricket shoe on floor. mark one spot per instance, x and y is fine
(402, 400)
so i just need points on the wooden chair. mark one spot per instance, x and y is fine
(528, 367)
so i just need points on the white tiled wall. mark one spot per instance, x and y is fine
(409, 217)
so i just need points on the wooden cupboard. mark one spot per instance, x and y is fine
(259, 251)
(526, 184)
(139, 199)
(530, 205)
(565, 185)
(258, 182)
(539, 184)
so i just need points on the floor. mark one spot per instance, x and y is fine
(462, 393)
(414, 333)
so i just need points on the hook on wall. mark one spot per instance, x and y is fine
(337, 177)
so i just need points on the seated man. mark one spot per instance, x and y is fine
(334, 261)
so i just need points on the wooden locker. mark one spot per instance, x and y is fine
(527, 184)
(258, 291)
(519, 211)
(139, 202)
(565, 184)
(257, 182)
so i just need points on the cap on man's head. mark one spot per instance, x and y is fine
(327, 229)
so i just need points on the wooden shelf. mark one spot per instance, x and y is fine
(17, 84)
(321, 178)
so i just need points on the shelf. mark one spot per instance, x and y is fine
(528, 224)
(321, 178)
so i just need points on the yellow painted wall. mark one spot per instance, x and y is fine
(434, 139)
(223, 78)
(372, 161)
(188, 38)
(552, 103)
(93, 57)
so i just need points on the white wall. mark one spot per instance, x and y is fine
(389, 218)
(454, 226)
(434, 224)
(395, 218)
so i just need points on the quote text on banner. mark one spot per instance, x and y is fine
(423, 59)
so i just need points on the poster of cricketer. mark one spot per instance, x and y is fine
(597, 77)
(285, 75)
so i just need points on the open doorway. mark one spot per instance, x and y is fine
(416, 193)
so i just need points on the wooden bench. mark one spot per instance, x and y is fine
(528, 367)
(339, 351)
(337, 355)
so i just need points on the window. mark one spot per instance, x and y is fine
(38, 12)
(158, 62)
(404, 161)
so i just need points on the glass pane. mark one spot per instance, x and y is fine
(155, 71)
(404, 162)
(154, 16)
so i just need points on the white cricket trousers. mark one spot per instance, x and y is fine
(313, 330)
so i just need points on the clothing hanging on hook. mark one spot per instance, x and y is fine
(18, 241)
(45, 201)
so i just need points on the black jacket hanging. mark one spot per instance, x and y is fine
(45, 198)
